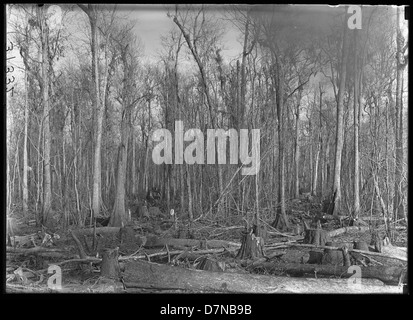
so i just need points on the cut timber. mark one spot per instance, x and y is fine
(142, 274)
(389, 275)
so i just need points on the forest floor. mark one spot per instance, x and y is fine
(34, 250)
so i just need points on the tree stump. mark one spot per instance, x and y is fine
(376, 241)
(109, 267)
(251, 246)
(360, 245)
(318, 236)
(208, 264)
(336, 257)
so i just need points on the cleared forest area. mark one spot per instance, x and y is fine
(258, 149)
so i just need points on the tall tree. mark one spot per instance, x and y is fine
(47, 182)
(401, 60)
(340, 118)
(356, 114)
(92, 13)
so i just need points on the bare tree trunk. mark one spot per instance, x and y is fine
(134, 182)
(25, 158)
(297, 150)
(190, 202)
(319, 150)
(401, 64)
(315, 176)
(91, 11)
(47, 183)
(119, 217)
(281, 141)
(320, 137)
(327, 164)
(339, 129)
(357, 96)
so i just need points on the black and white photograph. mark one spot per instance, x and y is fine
(205, 149)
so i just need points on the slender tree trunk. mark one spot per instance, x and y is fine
(356, 205)
(297, 150)
(397, 206)
(119, 217)
(91, 11)
(281, 141)
(47, 183)
(327, 164)
(25, 158)
(315, 176)
(190, 202)
(322, 158)
(134, 182)
(340, 129)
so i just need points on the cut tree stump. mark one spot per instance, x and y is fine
(360, 245)
(251, 246)
(209, 264)
(376, 242)
(317, 236)
(142, 274)
(335, 257)
(109, 267)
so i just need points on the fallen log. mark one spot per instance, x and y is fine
(37, 249)
(142, 274)
(336, 232)
(154, 241)
(400, 256)
(388, 275)
(389, 250)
